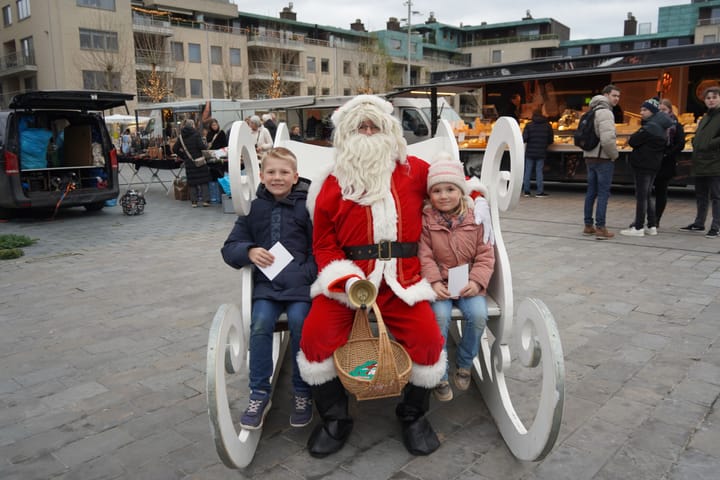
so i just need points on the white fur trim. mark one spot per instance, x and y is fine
(314, 189)
(427, 376)
(384, 214)
(332, 271)
(316, 373)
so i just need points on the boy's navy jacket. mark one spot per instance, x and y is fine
(269, 221)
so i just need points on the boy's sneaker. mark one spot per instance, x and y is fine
(588, 230)
(302, 410)
(462, 379)
(712, 233)
(541, 195)
(254, 415)
(692, 228)
(652, 231)
(526, 194)
(443, 392)
(633, 232)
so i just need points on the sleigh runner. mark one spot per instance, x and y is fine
(533, 329)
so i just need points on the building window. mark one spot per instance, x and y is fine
(103, 4)
(30, 83)
(98, 40)
(395, 44)
(99, 80)
(325, 92)
(325, 65)
(641, 45)
(375, 70)
(218, 89)
(179, 87)
(311, 90)
(347, 68)
(361, 69)
(310, 64)
(196, 88)
(235, 57)
(28, 50)
(216, 55)
(496, 56)
(347, 92)
(194, 54)
(23, 7)
(178, 52)
(708, 39)
(7, 15)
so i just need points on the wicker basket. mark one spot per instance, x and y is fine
(393, 362)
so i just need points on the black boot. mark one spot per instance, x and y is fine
(418, 435)
(331, 402)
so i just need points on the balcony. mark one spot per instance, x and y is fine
(704, 22)
(517, 39)
(145, 59)
(260, 37)
(152, 24)
(16, 63)
(263, 71)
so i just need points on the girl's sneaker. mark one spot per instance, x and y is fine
(302, 410)
(443, 392)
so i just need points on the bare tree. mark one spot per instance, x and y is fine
(104, 57)
(151, 51)
(276, 64)
(376, 70)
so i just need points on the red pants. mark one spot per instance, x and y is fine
(328, 325)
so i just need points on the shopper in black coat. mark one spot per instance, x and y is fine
(675, 144)
(198, 178)
(537, 135)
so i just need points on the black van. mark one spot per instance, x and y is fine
(55, 147)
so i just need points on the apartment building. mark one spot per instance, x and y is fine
(185, 49)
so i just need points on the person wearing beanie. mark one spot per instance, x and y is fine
(537, 135)
(367, 220)
(648, 145)
(451, 239)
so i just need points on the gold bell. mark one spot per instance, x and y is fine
(362, 293)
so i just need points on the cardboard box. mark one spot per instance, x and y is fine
(77, 146)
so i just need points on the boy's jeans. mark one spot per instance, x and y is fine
(264, 316)
(475, 314)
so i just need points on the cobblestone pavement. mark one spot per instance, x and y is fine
(104, 332)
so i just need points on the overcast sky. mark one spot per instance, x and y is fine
(585, 18)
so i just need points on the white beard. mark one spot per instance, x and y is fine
(364, 166)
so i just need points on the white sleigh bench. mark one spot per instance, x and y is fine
(532, 328)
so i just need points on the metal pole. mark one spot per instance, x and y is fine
(409, 28)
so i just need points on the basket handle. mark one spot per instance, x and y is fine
(361, 325)
(386, 372)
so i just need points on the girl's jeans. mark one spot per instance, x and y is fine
(262, 326)
(475, 314)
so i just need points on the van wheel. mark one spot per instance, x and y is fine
(94, 207)
(6, 213)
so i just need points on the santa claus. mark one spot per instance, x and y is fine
(367, 222)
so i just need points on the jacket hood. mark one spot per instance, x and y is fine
(187, 131)
(658, 124)
(600, 101)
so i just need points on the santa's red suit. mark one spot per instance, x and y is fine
(402, 292)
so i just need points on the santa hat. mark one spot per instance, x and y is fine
(363, 103)
(447, 170)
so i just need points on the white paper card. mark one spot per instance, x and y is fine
(282, 258)
(458, 277)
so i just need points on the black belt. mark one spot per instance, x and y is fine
(382, 251)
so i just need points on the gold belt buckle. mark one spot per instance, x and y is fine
(389, 250)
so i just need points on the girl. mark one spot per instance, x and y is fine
(450, 238)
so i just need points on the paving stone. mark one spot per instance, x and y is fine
(94, 446)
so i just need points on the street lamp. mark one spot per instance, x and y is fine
(411, 12)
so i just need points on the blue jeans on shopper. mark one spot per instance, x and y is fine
(599, 179)
(262, 326)
(475, 315)
(530, 165)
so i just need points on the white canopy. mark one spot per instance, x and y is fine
(125, 119)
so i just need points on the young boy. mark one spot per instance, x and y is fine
(278, 214)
